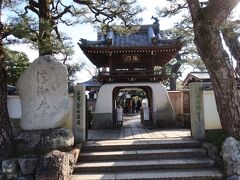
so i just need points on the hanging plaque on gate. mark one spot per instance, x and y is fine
(131, 58)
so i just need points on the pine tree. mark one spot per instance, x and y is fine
(6, 136)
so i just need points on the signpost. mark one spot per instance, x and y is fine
(79, 114)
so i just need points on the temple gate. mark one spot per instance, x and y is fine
(133, 60)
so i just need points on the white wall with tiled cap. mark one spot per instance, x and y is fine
(211, 116)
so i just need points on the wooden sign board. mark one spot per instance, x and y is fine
(131, 58)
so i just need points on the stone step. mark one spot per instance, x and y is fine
(135, 165)
(143, 154)
(139, 144)
(176, 174)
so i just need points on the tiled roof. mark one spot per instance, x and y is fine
(137, 39)
(197, 77)
(146, 41)
(200, 75)
(91, 83)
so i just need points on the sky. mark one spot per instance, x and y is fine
(87, 31)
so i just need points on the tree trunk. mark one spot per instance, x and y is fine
(45, 28)
(232, 42)
(173, 83)
(174, 73)
(207, 24)
(6, 137)
(223, 80)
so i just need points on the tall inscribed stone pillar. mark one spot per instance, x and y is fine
(43, 90)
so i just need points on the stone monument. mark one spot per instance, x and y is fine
(43, 89)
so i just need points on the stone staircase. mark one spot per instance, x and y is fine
(145, 159)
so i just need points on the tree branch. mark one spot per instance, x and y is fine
(32, 9)
(66, 10)
(194, 7)
(33, 3)
(66, 23)
(173, 10)
(83, 2)
(230, 37)
(219, 10)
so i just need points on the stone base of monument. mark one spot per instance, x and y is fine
(41, 141)
(59, 164)
(9, 169)
(49, 162)
(52, 165)
(28, 164)
(231, 158)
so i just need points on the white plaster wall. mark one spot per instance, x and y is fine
(161, 100)
(211, 117)
(15, 109)
(104, 101)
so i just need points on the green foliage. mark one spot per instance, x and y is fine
(140, 93)
(16, 63)
(25, 29)
(72, 69)
(108, 12)
(197, 64)
(217, 137)
(179, 86)
(188, 54)
(22, 29)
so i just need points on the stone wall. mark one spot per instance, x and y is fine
(53, 165)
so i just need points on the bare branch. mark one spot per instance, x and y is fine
(66, 23)
(32, 9)
(6, 34)
(60, 15)
(33, 3)
(83, 2)
(175, 10)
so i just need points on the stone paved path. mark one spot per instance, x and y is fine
(133, 129)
